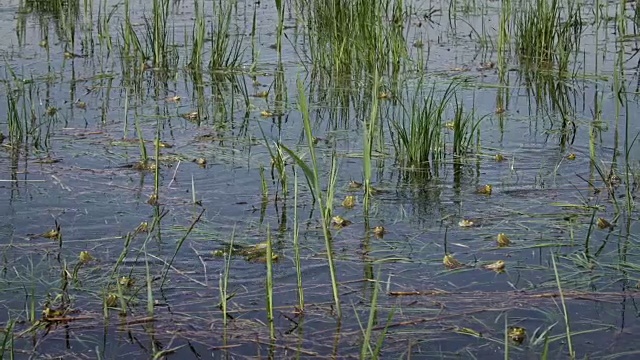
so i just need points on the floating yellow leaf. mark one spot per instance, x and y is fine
(571, 156)
(499, 157)
(266, 113)
(468, 331)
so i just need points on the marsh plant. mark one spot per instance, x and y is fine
(323, 198)
(548, 34)
(226, 49)
(349, 38)
(419, 142)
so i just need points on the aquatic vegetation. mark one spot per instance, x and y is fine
(418, 103)
(548, 34)
(420, 144)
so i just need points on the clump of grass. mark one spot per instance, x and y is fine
(546, 35)
(464, 129)
(158, 33)
(226, 51)
(198, 34)
(352, 37)
(419, 143)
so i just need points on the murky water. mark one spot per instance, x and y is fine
(75, 172)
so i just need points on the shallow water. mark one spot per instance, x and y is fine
(540, 198)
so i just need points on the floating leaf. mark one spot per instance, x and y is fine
(467, 331)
